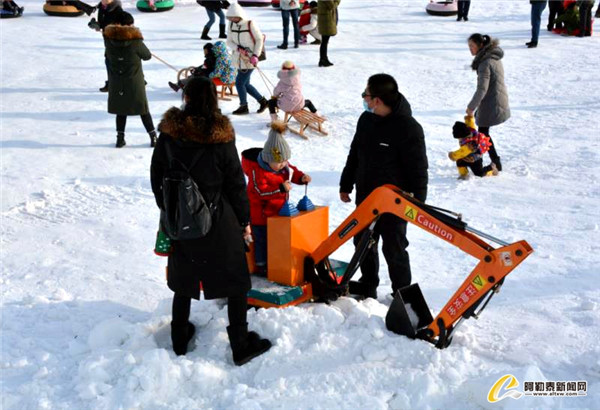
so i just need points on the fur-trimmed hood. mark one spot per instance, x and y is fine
(122, 33)
(189, 128)
(288, 74)
(492, 51)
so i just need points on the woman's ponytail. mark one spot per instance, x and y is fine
(481, 40)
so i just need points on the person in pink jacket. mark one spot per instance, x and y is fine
(287, 94)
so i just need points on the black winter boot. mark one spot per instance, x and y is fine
(174, 86)
(120, 140)
(497, 162)
(181, 336)
(222, 33)
(242, 110)
(245, 345)
(152, 135)
(308, 104)
(205, 34)
(105, 88)
(362, 289)
(263, 105)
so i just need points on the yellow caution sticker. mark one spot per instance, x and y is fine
(410, 213)
(479, 282)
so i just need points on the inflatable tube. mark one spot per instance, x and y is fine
(165, 5)
(275, 3)
(442, 8)
(5, 14)
(62, 11)
(255, 3)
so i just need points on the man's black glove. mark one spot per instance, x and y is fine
(93, 24)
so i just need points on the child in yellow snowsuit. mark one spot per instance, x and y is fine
(473, 145)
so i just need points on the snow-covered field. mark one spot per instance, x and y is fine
(85, 307)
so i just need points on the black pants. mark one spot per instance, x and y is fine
(477, 167)
(273, 106)
(237, 309)
(323, 48)
(585, 17)
(463, 8)
(392, 231)
(9, 6)
(146, 120)
(493, 154)
(556, 9)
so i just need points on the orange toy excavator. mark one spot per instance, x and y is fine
(409, 314)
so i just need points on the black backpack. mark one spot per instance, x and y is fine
(186, 214)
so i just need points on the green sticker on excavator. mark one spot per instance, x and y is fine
(410, 213)
(479, 282)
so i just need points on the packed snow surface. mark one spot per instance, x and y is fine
(85, 306)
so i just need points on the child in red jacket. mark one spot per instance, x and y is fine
(269, 181)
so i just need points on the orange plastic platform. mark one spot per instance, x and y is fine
(290, 240)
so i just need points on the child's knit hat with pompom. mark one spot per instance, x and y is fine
(276, 148)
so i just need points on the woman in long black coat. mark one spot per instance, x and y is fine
(217, 260)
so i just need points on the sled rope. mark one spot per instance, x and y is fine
(265, 79)
(164, 62)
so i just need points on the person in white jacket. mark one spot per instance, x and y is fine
(246, 41)
(290, 8)
(312, 27)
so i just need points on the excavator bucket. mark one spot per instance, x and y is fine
(408, 312)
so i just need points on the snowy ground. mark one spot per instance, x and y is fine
(85, 308)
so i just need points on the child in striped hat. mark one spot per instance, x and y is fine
(270, 178)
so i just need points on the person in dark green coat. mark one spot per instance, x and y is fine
(125, 50)
(327, 23)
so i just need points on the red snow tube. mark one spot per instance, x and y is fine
(442, 8)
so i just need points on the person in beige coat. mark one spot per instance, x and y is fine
(246, 41)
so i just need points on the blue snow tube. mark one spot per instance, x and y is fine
(6, 14)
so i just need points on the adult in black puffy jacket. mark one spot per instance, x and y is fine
(218, 259)
(109, 12)
(388, 148)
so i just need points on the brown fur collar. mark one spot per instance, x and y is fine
(122, 33)
(179, 126)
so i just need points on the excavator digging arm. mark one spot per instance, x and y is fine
(485, 279)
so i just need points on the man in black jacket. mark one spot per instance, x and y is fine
(388, 148)
(109, 12)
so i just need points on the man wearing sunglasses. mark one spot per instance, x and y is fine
(388, 148)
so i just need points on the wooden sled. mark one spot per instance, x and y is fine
(223, 90)
(307, 120)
